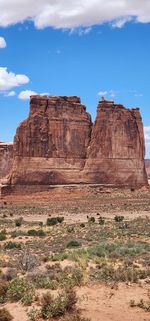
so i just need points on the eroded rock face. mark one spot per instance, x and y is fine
(6, 159)
(147, 164)
(50, 146)
(58, 144)
(116, 151)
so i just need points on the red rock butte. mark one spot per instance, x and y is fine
(58, 144)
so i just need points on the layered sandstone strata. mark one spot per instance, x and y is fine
(116, 151)
(50, 146)
(6, 158)
(58, 144)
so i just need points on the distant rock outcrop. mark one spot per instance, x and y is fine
(58, 144)
(6, 158)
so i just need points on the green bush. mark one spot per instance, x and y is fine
(54, 220)
(3, 291)
(82, 225)
(59, 306)
(5, 315)
(12, 245)
(51, 221)
(70, 277)
(118, 218)
(44, 282)
(18, 221)
(2, 236)
(74, 243)
(21, 289)
(34, 314)
(101, 220)
(91, 219)
(60, 219)
(39, 233)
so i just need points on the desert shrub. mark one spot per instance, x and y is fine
(122, 274)
(34, 314)
(118, 218)
(13, 234)
(3, 291)
(60, 219)
(70, 229)
(145, 305)
(51, 221)
(91, 219)
(10, 274)
(59, 306)
(18, 221)
(5, 315)
(54, 220)
(12, 245)
(82, 225)
(27, 261)
(59, 257)
(74, 243)
(39, 233)
(101, 220)
(71, 276)
(42, 281)
(21, 289)
(3, 235)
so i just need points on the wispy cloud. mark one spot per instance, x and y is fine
(11, 93)
(111, 93)
(25, 94)
(2, 43)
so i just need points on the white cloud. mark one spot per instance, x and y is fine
(111, 93)
(102, 93)
(9, 80)
(138, 95)
(147, 134)
(147, 140)
(2, 43)
(73, 14)
(80, 31)
(25, 94)
(11, 93)
(119, 23)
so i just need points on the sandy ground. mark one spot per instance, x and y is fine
(98, 302)
(101, 303)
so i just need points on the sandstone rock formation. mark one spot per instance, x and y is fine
(58, 144)
(50, 146)
(147, 164)
(116, 151)
(6, 158)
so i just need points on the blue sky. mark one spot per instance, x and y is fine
(72, 57)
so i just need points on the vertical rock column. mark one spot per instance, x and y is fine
(116, 151)
(50, 145)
